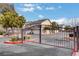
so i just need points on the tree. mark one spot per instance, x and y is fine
(4, 22)
(47, 28)
(12, 20)
(1, 18)
(9, 20)
(54, 26)
(1, 27)
(20, 20)
(68, 28)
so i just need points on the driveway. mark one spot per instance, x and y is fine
(32, 49)
(35, 49)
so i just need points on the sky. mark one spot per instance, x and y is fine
(59, 12)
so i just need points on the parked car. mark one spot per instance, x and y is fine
(30, 33)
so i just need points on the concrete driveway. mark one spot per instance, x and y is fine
(32, 49)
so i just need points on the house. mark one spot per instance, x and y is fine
(34, 26)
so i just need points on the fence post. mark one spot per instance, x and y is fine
(77, 37)
(39, 34)
(22, 35)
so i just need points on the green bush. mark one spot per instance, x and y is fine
(1, 32)
(14, 39)
(27, 37)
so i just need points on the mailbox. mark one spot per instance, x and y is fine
(70, 35)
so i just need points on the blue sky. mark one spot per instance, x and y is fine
(53, 11)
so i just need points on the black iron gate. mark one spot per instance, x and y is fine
(59, 38)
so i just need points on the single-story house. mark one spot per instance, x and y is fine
(34, 26)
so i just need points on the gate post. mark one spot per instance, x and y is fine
(39, 34)
(77, 37)
(22, 35)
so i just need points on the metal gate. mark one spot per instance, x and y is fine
(59, 38)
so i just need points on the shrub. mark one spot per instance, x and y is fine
(2, 32)
(14, 39)
(27, 37)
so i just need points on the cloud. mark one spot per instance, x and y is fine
(31, 9)
(39, 8)
(59, 21)
(28, 5)
(66, 21)
(63, 20)
(53, 8)
(74, 21)
(50, 8)
(40, 16)
(71, 21)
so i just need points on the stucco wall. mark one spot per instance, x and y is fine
(47, 22)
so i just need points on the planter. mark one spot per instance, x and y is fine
(1, 36)
(18, 42)
(15, 42)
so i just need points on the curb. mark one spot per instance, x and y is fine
(74, 52)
